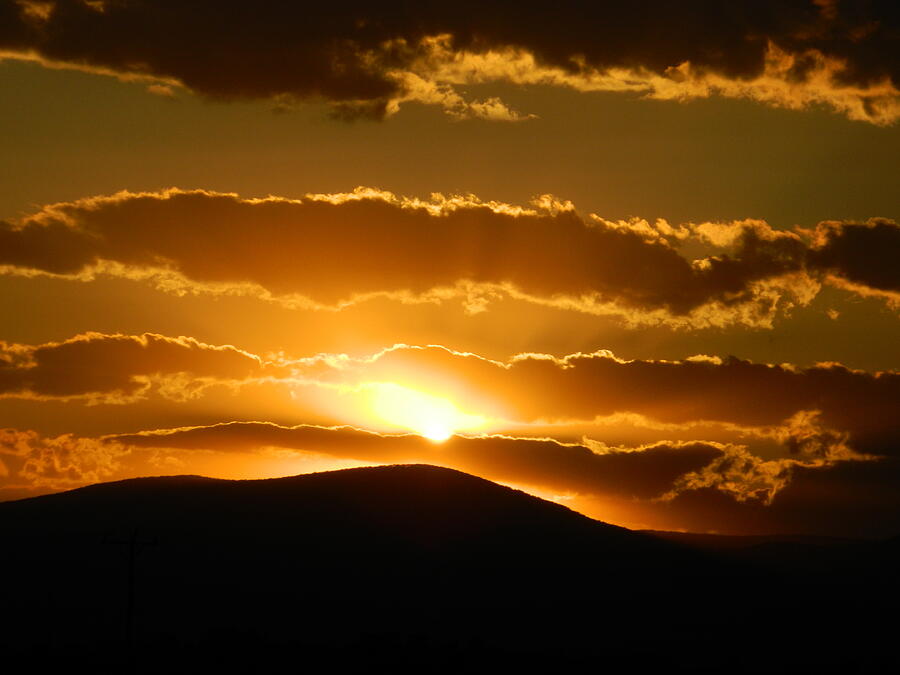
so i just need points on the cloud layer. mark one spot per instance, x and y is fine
(643, 473)
(811, 411)
(120, 368)
(746, 429)
(328, 251)
(537, 387)
(668, 485)
(369, 61)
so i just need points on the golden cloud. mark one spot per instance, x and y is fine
(101, 368)
(331, 251)
(541, 388)
(812, 411)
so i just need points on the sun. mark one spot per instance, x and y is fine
(430, 416)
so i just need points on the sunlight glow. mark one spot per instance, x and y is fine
(433, 417)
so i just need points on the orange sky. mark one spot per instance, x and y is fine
(652, 279)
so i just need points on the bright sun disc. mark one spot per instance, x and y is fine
(430, 416)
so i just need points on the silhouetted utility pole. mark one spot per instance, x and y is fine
(133, 545)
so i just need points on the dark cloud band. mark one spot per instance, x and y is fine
(335, 250)
(356, 55)
(811, 411)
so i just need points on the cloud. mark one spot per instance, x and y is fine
(58, 463)
(544, 388)
(660, 473)
(121, 368)
(66, 461)
(696, 485)
(642, 473)
(860, 257)
(748, 477)
(851, 499)
(815, 413)
(369, 61)
(331, 251)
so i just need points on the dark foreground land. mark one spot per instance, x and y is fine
(418, 569)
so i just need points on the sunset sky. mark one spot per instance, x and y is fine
(642, 259)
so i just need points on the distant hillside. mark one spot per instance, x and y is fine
(324, 517)
(425, 505)
(411, 567)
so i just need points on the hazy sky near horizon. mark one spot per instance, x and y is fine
(651, 276)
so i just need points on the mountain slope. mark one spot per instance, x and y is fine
(412, 508)
(413, 567)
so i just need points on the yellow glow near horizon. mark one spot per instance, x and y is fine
(430, 416)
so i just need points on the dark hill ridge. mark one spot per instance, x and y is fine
(419, 497)
(403, 507)
(410, 567)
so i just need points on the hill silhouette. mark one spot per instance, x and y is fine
(418, 505)
(412, 568)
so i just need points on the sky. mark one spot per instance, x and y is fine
(650, 274)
